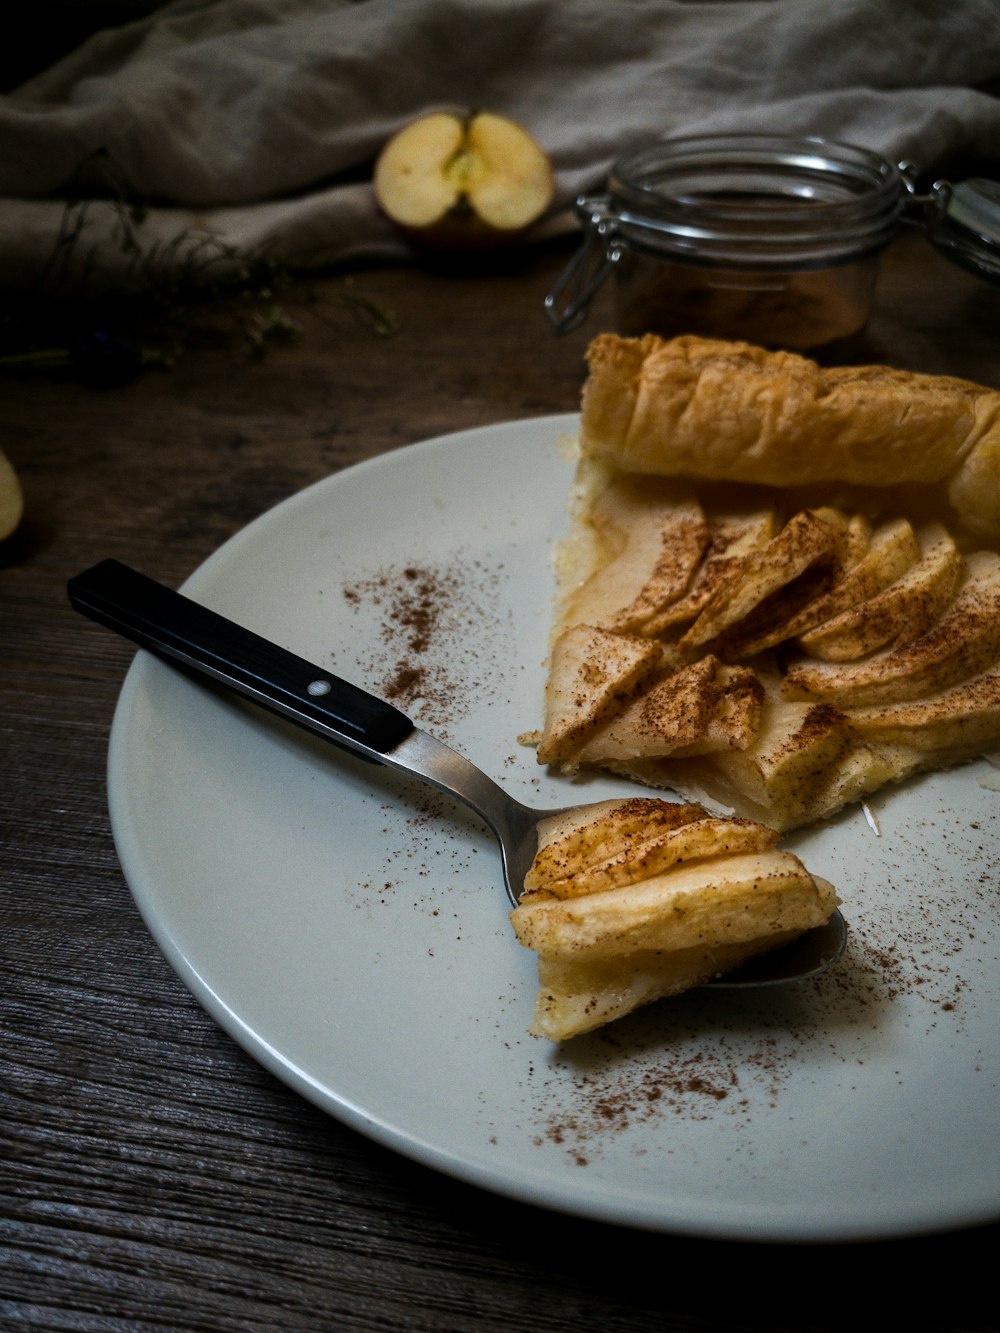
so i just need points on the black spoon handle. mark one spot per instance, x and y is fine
(177, 627)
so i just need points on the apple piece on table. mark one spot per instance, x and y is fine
(11, 498)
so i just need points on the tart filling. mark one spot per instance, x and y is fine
(778, 651)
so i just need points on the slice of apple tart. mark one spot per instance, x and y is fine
(634, 900)
(781, 585)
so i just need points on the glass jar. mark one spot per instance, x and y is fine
(770, 239)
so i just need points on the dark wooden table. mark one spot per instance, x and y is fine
(152, 1175)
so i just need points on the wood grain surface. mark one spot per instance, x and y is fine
(152, 1176)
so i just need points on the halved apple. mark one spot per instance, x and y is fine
(460, 181)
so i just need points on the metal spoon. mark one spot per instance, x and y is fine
(183, 631)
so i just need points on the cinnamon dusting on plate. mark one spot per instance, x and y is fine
(436, 645)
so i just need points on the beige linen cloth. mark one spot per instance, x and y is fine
(258, 121)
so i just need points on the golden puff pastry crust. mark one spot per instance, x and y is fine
(712, 410)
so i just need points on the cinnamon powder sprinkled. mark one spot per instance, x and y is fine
(437, 635)
(647, 1069)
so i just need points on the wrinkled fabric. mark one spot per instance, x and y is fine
(258, 121)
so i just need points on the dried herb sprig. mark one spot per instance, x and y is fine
(105, 317)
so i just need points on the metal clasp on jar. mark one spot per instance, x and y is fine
(963, 224)
(596, 257)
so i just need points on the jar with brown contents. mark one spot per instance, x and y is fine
(773, 240)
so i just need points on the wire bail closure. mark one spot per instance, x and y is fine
(587, 270)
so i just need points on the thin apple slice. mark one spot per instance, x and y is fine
(656, 533)
(964, 718)
(890, 551)
(682, 544)
(726, 900)
(733, 536)
(796, 743)
(810, 538)
(900, 612)
(591, 674)
(963, 642)
(697, 708)
(853, 772)
(591, 834)
(579, 995)
(696, 840)
(617, 842)
(803, 763)
(736, 719)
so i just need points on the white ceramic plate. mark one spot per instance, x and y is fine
(350, 929)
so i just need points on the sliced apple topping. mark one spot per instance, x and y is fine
(629, 901)
(613, 843)
(962, 719)
(962, 642)
(808, 540)
(729, 901)
(655, 535)
(591, 672)
(733, 538)
(898, 612)
(797, 665)
(596, 835)
(701, 707)
(872, 561)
